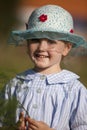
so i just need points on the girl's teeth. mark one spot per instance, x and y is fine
(42, 56)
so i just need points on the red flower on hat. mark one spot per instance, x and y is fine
(43, 18)
(71, 31)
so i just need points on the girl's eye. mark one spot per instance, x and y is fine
(51, 42)
(34, 40)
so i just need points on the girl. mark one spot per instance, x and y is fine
(54, 98)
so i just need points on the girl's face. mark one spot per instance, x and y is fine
(47, 54)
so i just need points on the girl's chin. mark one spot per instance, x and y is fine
(41, 66)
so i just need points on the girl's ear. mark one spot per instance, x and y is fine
(26, 26)
(67, 48)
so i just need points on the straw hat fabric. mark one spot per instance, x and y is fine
(52, 22)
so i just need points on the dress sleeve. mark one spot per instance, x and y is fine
(10, 88)
(78, 119)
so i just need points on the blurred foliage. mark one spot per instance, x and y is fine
(8, 112)
(8, 14)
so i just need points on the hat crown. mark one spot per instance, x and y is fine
(51, 18)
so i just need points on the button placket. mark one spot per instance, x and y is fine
(42, 77)
(39, 85)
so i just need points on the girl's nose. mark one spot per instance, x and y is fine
(43, 45)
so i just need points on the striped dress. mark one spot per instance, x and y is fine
(58, 99)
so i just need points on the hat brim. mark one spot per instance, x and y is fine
(18, 36)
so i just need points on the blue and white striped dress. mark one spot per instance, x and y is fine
(60, 99)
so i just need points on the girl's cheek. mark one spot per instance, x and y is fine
(54, 50)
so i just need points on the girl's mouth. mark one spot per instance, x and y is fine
(41, 56)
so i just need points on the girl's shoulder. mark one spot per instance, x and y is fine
(72, 81)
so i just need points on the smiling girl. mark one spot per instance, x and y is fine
(54, 97)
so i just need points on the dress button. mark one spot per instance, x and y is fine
(39, 90)
(35, 106)
(42, 77)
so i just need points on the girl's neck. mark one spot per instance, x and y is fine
(49, 70)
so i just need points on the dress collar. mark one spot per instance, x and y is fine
(64, 76)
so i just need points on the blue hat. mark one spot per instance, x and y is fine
(51, 22)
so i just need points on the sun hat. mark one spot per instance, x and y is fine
(51, 22)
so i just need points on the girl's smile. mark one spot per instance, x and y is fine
(41, 55)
